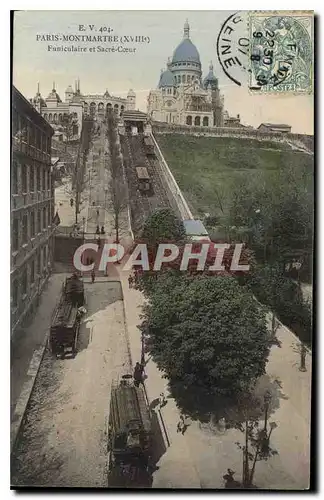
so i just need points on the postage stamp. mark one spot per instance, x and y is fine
(281, 52)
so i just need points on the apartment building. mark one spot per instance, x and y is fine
(32, 207)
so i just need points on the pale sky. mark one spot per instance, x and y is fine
(118, 72)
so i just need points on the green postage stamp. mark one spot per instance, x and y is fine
(281, 51)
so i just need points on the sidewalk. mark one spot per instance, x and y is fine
(27, 350)
(176, 468)
(200, 457)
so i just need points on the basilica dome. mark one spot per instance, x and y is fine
(166, 79)
(186, 50)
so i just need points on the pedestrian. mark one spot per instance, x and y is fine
(71, 202)
(162, 400)
(138, 374)
(185, 423)
(99, 242)
(102, 229)
(97, 230)
(97, 212)
(93, 276)
(130, 281)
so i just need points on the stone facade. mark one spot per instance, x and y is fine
(182, 96)
(77, 104)
(32, 207)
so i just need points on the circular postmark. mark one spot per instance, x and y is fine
(233, 48)
(281, 53)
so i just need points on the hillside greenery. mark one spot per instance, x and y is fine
(261, 193)
(206, 167)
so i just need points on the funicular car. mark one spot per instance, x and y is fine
(144, 181)
(149, 146)
(66, 318)
(129, 439)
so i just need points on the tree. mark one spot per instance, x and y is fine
(117, 184)
(68, 123)
(284, 297)
(78, 179)
(117, 202)
(276, 210)
(208, 335)
(163, 225)
(256, 447)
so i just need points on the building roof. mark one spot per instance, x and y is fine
(195, 228)
(210, 79)
(133, 115)
(186, 50)
(275, 125)
(166, 79)
(131, 93)
(53, 96)
(20, 102)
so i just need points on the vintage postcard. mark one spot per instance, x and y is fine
(162, 206)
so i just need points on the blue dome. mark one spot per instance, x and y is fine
(166, 79)
(186, 52)
(210, 79)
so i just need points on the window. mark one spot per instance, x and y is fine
(32, 135)
(32, 224)
(15, 167)
(24, 282)
(38, 178)
(31, 178)
(38, 140)
(15, 234)
(24, 178)
(44, 257)
(32, 271)
(39, 221)
(44, 179)
(23, 129)
(25, 229)
(205, 121)
(44, 217)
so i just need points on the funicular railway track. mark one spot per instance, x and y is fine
(142, 205)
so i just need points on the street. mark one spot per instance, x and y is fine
(63, 440)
